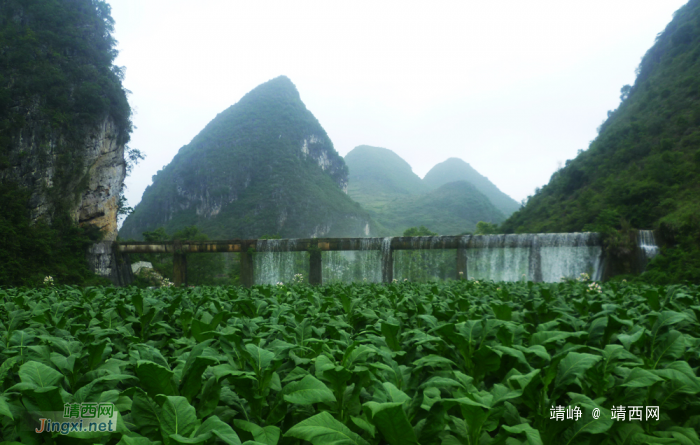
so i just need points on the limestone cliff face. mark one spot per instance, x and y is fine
(92, 191)
(317, 147)
(105, 173)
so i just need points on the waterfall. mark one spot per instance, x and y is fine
(426, 262)
(500, 257)
(545, 257)
(647, 247)
(275, 263)
(647, 244)
(567, 255)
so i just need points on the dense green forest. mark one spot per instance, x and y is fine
(396, 198)
(454, 208)
(378, 176)
(57, 82)
(643, 169)
(455, 169)
(264, 165)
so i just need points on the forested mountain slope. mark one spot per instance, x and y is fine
(378, 176)
(455, 169)
(397, 199)
(452, 209)
(645, 163)
(263, 166)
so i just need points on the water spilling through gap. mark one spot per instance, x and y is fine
(647, 246)
(275, 262)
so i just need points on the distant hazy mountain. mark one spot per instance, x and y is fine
(451, 209)
(455, 169)
(384, 184)
(377, 176)
(263, 166)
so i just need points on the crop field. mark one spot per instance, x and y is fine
(457, 362)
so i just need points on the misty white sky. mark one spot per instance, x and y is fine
(513, 87)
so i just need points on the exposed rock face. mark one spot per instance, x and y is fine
(105, 175)
(104, 261)
(94, 191)
(316, 147)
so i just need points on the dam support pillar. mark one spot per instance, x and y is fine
(247, 267)
(179, 269)
(315, 268)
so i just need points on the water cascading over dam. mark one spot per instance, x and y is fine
(547, 257)
(648, 248)
(523, 257)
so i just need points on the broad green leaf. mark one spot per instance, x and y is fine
(220, 429)
(6, 366)
(640, 378)
(395, 394)
(502, 393)
(681, 373)
(665, 319)
(390, 419)
(523, 380)
(652, 297)
(544, 337)
(322, 364)
(39, 375)
(537, 350)
(532, 435)
(671, 345)
(127, 440)
(686, 436)
(323, 429)
(146, 416)
(597, 329)
(587, 424)
(178, 417)
(4, 409)
(573, 366)
(307, 391)
(356, 356)
(154, 378)
(434, 361)
(362, 423)
(192, 376)
(517, 354)
(628, 340)
(502, 311)
(261, 357)
(390, 332)
(268, 435)
(196, 440)
(46, 399)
